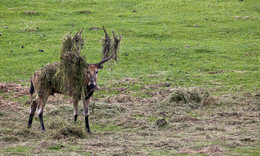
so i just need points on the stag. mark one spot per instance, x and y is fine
(90, 74)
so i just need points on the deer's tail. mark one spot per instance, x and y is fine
(31, 89)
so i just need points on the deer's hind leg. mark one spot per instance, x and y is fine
(75, 106)
(32, 111)
(41, 104)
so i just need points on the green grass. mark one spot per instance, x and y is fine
(17, 149)
(249, 150)
(98, 128)
(178, 40)
(55, 147)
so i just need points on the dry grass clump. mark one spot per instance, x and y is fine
(120, 99)
(9, 139)
(105, 110)
(61, 127)
(187, 97)
(70, 43)
(24, 134)
(72, 65)
(47, 74)
(216, 150)
(160, 123)
(61, 110)
(67, 130)
(109, 47)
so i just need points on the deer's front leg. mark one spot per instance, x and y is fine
(86, 113)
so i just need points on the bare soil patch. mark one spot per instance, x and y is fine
(9, 91)
(17, 89)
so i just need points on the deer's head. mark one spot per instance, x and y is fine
(91, 72)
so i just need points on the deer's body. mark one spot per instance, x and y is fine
(43, 92)
(45, 82)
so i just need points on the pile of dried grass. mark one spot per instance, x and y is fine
(46, 74)
(67, 131)
(72, 66)
(187, 98)
(70, 43)
(61, 129)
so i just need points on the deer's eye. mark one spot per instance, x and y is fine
(88, 72)
(96, 71)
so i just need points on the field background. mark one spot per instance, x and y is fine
(166, 44)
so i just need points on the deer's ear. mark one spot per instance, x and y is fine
(99, 66)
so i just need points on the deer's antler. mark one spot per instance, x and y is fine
(107, 47)
(76, 35)
(81, 30)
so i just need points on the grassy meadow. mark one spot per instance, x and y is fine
(166, 44)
